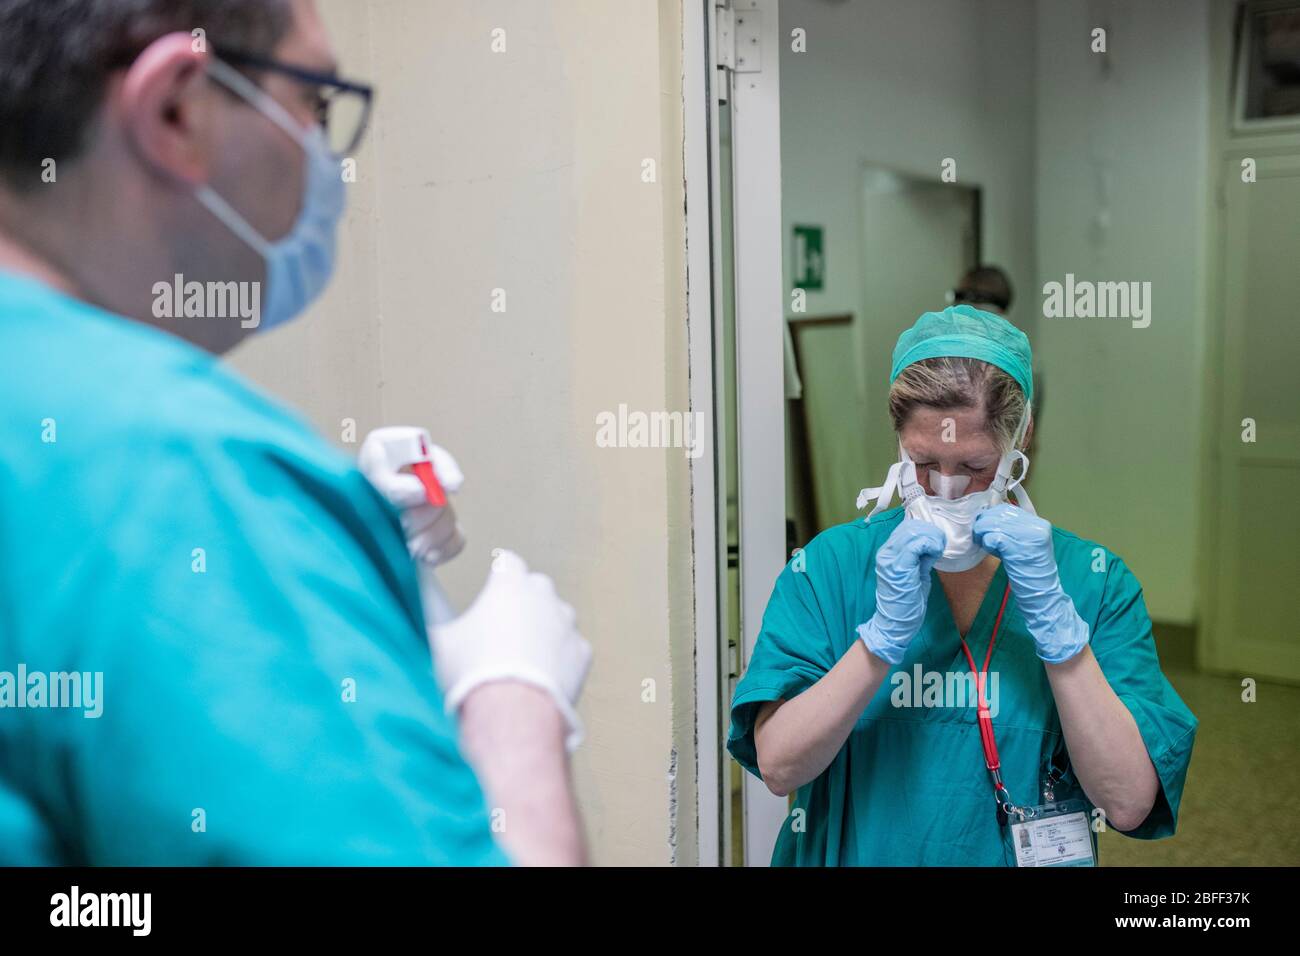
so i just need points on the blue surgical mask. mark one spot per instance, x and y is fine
(300, 265)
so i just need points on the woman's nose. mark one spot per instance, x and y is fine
(947, 486)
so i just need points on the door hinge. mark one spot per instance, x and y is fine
(740, 44)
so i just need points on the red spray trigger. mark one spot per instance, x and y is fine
(424, 471)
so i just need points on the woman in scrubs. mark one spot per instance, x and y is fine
(854, 696)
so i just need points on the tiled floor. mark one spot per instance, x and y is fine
(1239, 806)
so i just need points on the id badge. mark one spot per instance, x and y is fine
(1052, 834)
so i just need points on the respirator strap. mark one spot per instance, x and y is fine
(1004, 483)
(901, 479)
(1022, 499)
(884, 494)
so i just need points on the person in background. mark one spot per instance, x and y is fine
(984, 287)
(989, 288)
(245, 594)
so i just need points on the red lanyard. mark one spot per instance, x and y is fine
(990, 745)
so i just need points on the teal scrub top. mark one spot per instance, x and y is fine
(909, 787)
(237, 582)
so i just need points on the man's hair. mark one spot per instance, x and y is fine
(56, 57)
(984, 284)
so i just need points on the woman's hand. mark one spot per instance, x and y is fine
(1024, 543)
(903, 566)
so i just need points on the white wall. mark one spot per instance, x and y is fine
(523, 171)
(1119, 456)
(1011, 91)
(905, 86)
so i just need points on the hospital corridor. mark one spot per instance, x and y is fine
(643, 435)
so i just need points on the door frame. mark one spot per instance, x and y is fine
(752, 82)
(700, 160)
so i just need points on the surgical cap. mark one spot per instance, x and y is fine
(963, 331)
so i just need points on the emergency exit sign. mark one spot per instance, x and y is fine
(809, 262)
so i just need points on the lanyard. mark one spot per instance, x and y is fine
(987, 741)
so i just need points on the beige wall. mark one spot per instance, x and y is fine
(522, 171)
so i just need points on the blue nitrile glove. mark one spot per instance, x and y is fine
(1024, 543)
(903, 566)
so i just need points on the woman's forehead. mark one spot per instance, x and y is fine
(950, 430)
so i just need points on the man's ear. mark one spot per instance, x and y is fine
(165, 107)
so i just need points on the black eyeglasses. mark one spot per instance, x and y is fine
(342, 107)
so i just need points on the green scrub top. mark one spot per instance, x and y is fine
(267, 694)
(909, 786)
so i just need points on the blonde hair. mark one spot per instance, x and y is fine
(960, 383)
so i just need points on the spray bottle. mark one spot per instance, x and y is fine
(409, 449)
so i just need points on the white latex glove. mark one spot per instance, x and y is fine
(432, 534)
(516, 629)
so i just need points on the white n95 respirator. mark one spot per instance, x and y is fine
(954, 516)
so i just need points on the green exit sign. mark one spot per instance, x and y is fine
(809, 259)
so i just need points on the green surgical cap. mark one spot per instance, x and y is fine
(963, 331)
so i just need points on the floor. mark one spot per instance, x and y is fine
(1239, 802)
